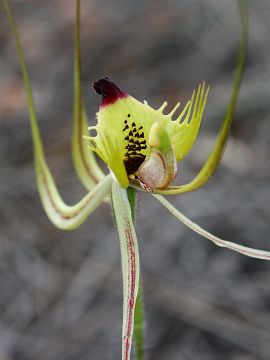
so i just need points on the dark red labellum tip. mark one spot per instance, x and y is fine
(109, 91)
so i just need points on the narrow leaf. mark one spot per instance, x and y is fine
(83, 158)
(255, 253)
(130, 263)
(213, 161)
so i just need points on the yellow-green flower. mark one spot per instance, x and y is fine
(141, 146)
(139, 142)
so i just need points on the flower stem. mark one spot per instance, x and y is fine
(139, 313)
(139, 326)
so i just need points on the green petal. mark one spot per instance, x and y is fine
(130, 263)
(63, 216)
(214, 158)
(255, 253)
(83, 158)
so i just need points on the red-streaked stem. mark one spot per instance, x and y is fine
(130, 263)
(131, 293)
(139, 311)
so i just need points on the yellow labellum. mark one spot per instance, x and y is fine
(124, 126)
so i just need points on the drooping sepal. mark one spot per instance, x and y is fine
(244, 250)
(62, 215)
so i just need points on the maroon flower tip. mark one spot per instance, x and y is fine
(109, 91)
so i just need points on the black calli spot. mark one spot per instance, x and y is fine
(135, 143)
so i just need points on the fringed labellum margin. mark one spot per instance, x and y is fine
(139, 143)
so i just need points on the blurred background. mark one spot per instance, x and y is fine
(61, 292)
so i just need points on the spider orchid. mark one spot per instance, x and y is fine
(141, 147)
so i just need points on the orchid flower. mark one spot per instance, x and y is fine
(141, 147)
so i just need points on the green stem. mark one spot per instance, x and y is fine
(139, 313)
(139, 325)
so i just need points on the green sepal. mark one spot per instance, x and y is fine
(214, 158)
(63, 216)
(84, 160)
(244, 250)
